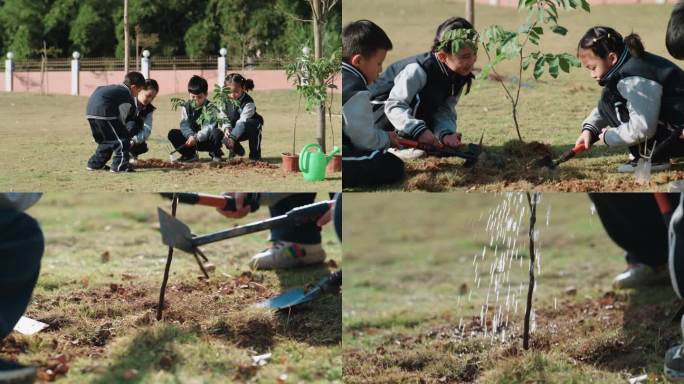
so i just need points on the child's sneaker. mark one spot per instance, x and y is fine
(13, 373)
(216, 158)
(285, 254)
(631, 166)
(674, 364)
(104, 168)
(189, 159)
(638, 275)
(407, 153)
(133, 160)
(127, 170)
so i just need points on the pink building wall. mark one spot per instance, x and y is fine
(170, 81)
(514, 3)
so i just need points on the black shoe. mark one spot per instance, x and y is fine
(13, 373)
(238, 149)
(189, 159)
(104, 168)
(255, 158)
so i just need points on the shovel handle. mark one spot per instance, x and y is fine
(331, 283)
(663, 202)
(570, 153)
(226, 203)
(308, 213)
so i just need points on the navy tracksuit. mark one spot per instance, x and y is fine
(110, 108)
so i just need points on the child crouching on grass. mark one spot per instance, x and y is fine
(674, 357)
(244, 123)
(642, 99)
(110, 108)
(366, 161)
(141, 127)
(418, 95)
(192, 137)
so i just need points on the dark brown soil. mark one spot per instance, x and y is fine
(234, 164)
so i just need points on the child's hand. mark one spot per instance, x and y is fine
(325, 219)
(602, 135)
(584, 138)
(394, 139)
(427, 137)
(242, 209)
(191, 142)
(452, 140)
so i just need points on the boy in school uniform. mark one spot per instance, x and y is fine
(110, 108)
(141, 126)
(365, 160)
(191, 137)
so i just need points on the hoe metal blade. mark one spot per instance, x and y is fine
(174, 232)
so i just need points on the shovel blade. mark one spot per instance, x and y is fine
(174, 233)
(289, 299)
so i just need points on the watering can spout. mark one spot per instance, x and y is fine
(334, 152)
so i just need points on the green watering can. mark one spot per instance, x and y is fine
(313, 163)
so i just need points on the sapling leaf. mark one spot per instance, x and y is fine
(539, 68)
(564, 64)
(553, 66)
(559, 30)
(586, 6)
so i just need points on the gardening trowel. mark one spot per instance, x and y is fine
(469, 152)
(177, 235)
(292, 297)
(226, 203)
(547, 161)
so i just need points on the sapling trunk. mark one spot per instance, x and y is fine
(532, 200)
(169, 257)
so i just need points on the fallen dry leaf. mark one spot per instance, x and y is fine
(130, 374)
(104, 257)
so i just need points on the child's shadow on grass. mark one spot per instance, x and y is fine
(150, 350)
(318, 322)
(648, 331)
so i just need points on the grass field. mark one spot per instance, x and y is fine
(48, 143)
(99, 286)
(550, 111)
(413, 303)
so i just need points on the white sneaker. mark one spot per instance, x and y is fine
(407, 153)
(285, 254)
(638, 275)
(133, 160)
(631, 166)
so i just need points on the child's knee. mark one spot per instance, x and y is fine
(22, 246)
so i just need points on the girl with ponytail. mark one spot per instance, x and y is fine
(244, 123)
(417, 96)
(642, 101)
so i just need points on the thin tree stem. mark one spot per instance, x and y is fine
(532, 201)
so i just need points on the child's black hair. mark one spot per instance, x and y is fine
(449, 25)
(197, 85)
(604, 40)
(363, 37)
(134, 78)
(674, 39)
(246, 84)
(151, 84)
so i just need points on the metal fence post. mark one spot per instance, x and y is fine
(145, 64)
(9, 69)
(75, 73)
(221, 67)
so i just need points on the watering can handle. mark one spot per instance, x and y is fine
(303, 163)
